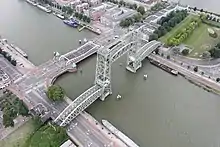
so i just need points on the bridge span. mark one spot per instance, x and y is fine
(32, 86)
(137, 49)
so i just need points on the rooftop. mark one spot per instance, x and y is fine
(117, 14)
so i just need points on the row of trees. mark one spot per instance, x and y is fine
(168, 22)
(55, 93)
(67, 9)
(131, 20)
(184, 33)
(8, 57)
(11, 107)
(82, 17)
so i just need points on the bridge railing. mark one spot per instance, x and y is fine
(81, 107)
(76, 102)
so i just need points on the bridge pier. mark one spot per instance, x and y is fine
(133, 65)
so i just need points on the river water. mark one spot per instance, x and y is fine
(163, 111)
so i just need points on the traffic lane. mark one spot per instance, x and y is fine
(88, 134)
(94, 130)
(80, 135)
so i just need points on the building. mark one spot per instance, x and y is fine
(95, 13)
(113, 16)
(74, 3)
(81, 7)
(94, 2)
(4, 79)
(68, 143)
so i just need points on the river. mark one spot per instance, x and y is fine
(163, 111)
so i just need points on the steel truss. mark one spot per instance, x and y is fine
(130, 43)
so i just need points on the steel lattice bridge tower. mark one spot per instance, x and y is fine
(136, 48)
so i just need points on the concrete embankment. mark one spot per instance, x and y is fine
(194, 77)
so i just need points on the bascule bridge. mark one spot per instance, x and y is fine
(137, 49)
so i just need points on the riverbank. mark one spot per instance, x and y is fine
(194, 77)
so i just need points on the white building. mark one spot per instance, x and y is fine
(81, 7)
(113, 16)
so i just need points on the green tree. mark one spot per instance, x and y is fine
(80, 16)
(69, 10)
(153, 37)
(84, 18)
(76, 14)
(13, 62)
(55, 93)
(141, 9)
(135, 6)
(88, 20)
(137, 17)
(64, 9)
(8, 121)
(196, 69)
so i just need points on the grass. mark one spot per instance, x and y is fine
(18, 138)
(177, 28)
(200, 41)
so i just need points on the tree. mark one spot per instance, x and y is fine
(135, 6)
(64, 9)
(84, 18)
(8, 121)
(141, 9)
(206, 55)
(80, 16)
(77, 14)
(153, 37)
(194, 8)
(185, 52)
(69, 10)
(217, 79)
(55, 93)
(88, 20)
(13, 62)
(168, 57)
(137, 17)
(196, 69)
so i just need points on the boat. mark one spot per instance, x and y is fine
(60, 16)
(85, 40)
(145, 77)
(71, 23)
(118, 97)
(174, 72)
(44, 8)
(32, 2)
(119, 134)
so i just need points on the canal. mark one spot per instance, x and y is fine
(163, 111)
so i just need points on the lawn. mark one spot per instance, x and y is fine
(200, 41)
(177, 28)
(18, 138)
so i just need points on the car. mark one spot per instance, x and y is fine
(116, 37)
